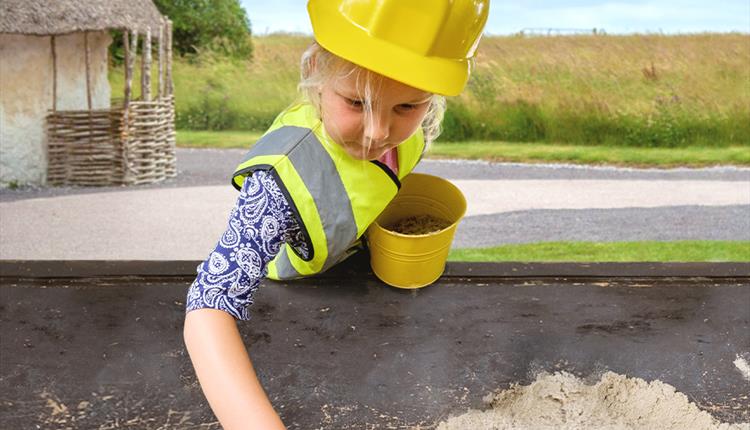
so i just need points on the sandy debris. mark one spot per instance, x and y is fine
(742, 366)
(561, 401)
(419, 224)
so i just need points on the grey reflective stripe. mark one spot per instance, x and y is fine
(277, 142)
(284, 268)
(320, 176)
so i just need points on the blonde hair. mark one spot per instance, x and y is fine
(319, 67)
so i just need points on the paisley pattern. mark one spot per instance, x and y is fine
(259, 225)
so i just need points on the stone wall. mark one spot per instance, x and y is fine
(26, 81)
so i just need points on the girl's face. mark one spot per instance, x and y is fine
(397, 112)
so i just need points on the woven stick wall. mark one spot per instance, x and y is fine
(150, 146)
(128, 144)
(83, 148)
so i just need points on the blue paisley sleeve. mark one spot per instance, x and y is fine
(259, 225)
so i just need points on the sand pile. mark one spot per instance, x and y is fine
(562, 401)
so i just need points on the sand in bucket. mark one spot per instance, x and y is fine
(416, 260)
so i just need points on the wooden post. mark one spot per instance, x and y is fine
(160, 88)
(170, 84)
(88, 68)
(130, 54)
(128, 71)
(131, 51)
(55, 156)
(146, 67)
(87, 55)
(131, 60)
(54, 73)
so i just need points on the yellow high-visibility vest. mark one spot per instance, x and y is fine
(333, 196)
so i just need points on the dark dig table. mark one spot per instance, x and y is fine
(84, 350)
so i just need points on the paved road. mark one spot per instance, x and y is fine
(181, 219)
(200, 167)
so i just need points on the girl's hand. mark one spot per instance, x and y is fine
(225, 372)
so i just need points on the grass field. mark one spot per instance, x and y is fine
(692, 156)
(638, 90)
(685, 251)
(522, 152)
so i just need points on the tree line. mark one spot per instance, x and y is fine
(219, 26)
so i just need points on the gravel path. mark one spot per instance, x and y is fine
(509, 203)
(199, 167)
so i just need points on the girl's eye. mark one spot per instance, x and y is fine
(354, 103)
(407, 106)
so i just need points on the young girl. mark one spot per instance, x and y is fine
(372, 86)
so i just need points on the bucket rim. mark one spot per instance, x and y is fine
(423, 235)
(454, 224)
(447, 182)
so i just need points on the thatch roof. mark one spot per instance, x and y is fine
(47, 17)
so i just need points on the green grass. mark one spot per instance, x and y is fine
(217, 139)
(678, 251)
(584, 154)
(636, 90)
(521, 152)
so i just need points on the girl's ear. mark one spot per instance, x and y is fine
(310, 65)
(313, 62)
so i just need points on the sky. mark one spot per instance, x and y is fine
(510, 17)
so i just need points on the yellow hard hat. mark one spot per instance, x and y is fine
(427, 44)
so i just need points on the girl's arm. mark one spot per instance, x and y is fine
(225, 372)
(260, 224)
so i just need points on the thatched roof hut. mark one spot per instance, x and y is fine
(45, 18)
(58, 126)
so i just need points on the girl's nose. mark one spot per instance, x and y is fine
(377, 128)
